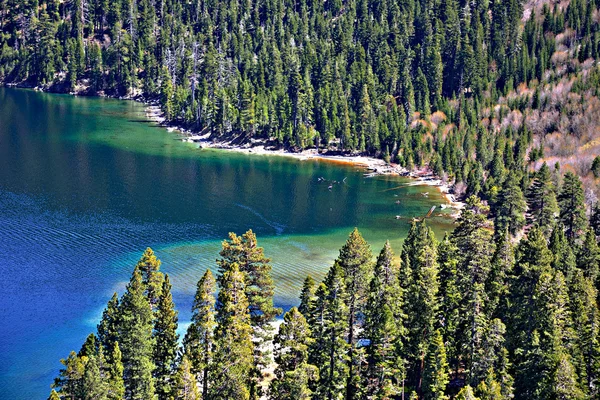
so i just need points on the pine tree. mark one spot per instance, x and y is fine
(384, 328)
(53, 395)
(588, 256)
(475, 248)
(108, 328)
(595, 219)
(230, 375)
(449, 298)
(250, 258)
(422, 304)
(116, 385)
(94, 385)
(596, 167)
(256, 269)
(307, 296)
(199, 339)
(165, 341)
(435, 374)
(584, 309)
(466, 393)
(572, 207)
(510, 211)
(541, 198)
(89, 347)
(497, 284)
(152, 278)
(565, 385)
(355, 263)
(293, 373)
(564, 257)
(70, 378)
(136, 340)
(330, 351)
(185, 387)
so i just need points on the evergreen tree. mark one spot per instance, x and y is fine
(165, 341)
(185, 387)
(435, 375)
(596, 167)
(588, 256)
(572, 207)
(152, 278)
(135, 339)
(466, 393)
(108, 328)
(510, 211)
(230, 375)
(563, 254)
(584, 309)
(199, 340)
(595, 219)
(384, 329)
(355, 263)
(116, 384)
(307, 296)
(258, 283)
(329, 352)
(293, 372)
(244, 251)
(70, 378)
(541, 199)
(94, 385)
(422, 304)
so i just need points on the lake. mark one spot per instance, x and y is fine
(86, 184)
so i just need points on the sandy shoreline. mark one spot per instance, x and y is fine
(373, 166)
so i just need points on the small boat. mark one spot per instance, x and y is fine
(398, 217)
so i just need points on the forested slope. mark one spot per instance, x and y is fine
(446, 83)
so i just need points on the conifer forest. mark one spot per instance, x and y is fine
(500, 99)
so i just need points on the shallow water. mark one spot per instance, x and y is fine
(87, 184)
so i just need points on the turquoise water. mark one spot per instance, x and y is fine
(87, 184)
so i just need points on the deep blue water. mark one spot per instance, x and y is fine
(87, 184)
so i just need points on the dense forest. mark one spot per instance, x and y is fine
(467, 88)
(499, 97)
(484, 313)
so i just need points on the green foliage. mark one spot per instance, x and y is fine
(293, 373)
(543, 207)
(199, 339)
(165, 341)
(384, 328)
(230, 375)
(572, 206)
(152, 278)
(596, 167)
(356, 267)
(185, 387)
(135, 339)
(510, 211)
(513, 323)
(435, 375)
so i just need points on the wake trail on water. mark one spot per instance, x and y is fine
(279, 228)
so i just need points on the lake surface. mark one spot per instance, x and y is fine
(86, 184)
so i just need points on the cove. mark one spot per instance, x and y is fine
(86, 184)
